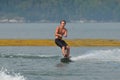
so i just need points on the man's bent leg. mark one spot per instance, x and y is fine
(64, 51)
(68, 51)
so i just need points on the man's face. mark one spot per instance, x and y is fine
(62, 24)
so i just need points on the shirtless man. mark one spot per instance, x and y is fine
(60, 32)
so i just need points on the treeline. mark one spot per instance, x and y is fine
(55, 10)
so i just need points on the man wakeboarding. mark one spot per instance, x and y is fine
(60, 32)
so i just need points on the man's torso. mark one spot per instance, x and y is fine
(61, 31)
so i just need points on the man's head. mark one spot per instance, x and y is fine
(62, 23)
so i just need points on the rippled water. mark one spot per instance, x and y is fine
(43, 63)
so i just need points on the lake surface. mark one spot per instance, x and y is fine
(46, 30)
(43, 63)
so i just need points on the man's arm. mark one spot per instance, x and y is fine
(65, 34)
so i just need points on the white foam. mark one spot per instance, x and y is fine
(48, 56)
(26, 56)
(104, 55)
(5, 75)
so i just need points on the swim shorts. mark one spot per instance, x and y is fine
(60, 43)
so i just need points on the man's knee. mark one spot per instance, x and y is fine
(68, 47)
(63, 47)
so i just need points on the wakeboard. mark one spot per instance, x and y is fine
(65, 60)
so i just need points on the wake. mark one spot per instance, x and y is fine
(5, 75)
(29, 56)
(103, 55)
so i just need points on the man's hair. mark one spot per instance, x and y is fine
(62, 21)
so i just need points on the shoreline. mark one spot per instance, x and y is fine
(50, 42)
